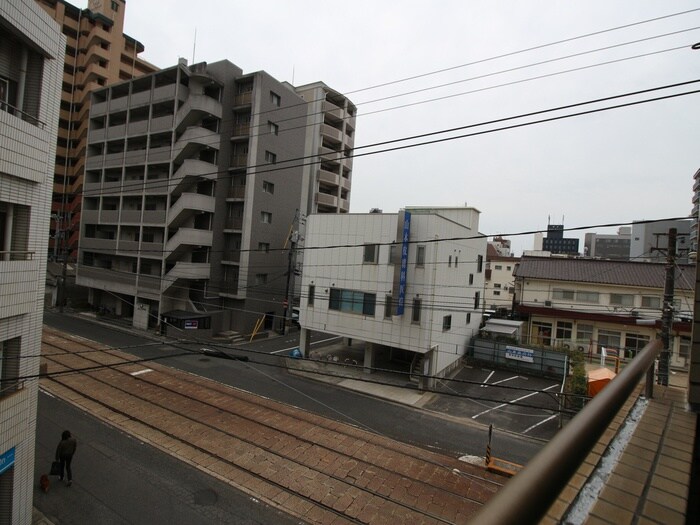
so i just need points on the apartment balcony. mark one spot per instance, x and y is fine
(229, 288)
(195, 109)
(185, 271)
(105, 217)
(164, 93)
(243, 99)
(156, 217)
(96, 36)
(163, 123)
(189, 173)
(330, 155)
(345, 183)
(94, 277)
(21, 277)
(116, 132)
(239, 160)
(159, 154)
(97, 135)
(193, 140)
(327, 200)
(333, 110)
(151, 249)
(91, 243)
(328, 177)
(331, 133)
(141, 98)
(189, 205)
(236, 192)
(149, 282)
(241, 130)
(94, 72)
(344, 205)
(234, 223)
(129, 216)
(185, 239)
(231, 256)
(129, 247)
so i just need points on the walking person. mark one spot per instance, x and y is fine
(64, 454)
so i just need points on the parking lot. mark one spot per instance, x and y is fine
(508, 400)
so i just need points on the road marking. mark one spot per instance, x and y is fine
(540, 423)
(487, 379)
(514, 401)
(313, 343)
(501, 381)
(139, 372)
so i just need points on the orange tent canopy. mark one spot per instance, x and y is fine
(598, 378)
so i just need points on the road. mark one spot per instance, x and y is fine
(267, 376)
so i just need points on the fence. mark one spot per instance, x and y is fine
(538, 361)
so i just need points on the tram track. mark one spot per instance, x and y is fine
(343, 472)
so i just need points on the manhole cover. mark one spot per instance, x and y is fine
(205, 497)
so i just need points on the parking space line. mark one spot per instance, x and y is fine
(312, 343)
(501, 381)
(514, 401)
(538, 424)
(487, 379)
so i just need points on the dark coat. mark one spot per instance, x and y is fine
(66, 448)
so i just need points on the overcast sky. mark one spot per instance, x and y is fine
(607, 167)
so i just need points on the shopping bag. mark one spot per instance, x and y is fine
(56, 468)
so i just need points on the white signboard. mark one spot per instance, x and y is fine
(520, 354)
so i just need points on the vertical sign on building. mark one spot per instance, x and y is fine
(399, 288)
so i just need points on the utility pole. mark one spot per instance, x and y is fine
(667, 313)
(291, 267)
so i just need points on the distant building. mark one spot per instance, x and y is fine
(501, 245)
(693, 237)
(650, 240)
(387, 279)
(557, 244)
(31, 71)
(499, 286)
(604, 246)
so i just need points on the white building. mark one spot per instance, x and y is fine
(31, 70)
(499, 285)
(408, 281)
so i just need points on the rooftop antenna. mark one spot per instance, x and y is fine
(194, 45)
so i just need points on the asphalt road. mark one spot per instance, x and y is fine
(119, 480)
(266, 375)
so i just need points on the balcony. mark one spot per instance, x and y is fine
(193, 140)
(195, 109)
(231, 256)
(189, 173)
(236, 192)
(186, 271)
(234, 223)
(333, 110)
(103, 278)
(163, 93)
(328, 177)
(185, 239)
(327, 200)
(239, 160)
(92, 243)
(188, 205)
(332, 133)
(243, 99)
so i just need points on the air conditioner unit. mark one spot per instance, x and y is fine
(548, 303)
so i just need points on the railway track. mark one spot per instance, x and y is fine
(314, 468)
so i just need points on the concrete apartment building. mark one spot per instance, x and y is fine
(499, 287)
(590, 304)
(650, 240)
(31, 63)
(97, 53)
(604, 246)
(387, 279)
(195, 177)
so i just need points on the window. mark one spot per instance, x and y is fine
(352, 301)
(260, 278)
(449, 261)
(497, 286)
(420, 256)
(4, 94)
(498, 267)
(264, 247)
(636, 342)
(115, 6)
(509, 268)
(684, 347)
(563, 295)
(584, 333)
(388, 307)
(456, 261)
(312, 293)
(608, 338)
(541, 333)
(270, 157)
(587, 297)
(496, 292)
(477, 300)
(392, 253)
(371, 254)
(274, 128)
(446, 323)
(469, 317)
(268, 187)
(565, 330)
(9, 366)
(479, 263)
(266, 217)
(275, 99)
(650, 301)
(471, 278)
(415, 314)
(622, 299)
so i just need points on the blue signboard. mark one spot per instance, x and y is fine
(7, 460)
(404, 262)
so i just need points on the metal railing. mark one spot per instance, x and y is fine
(16, 255)
(527, 497)
(8, 108)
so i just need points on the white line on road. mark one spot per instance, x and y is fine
(487, 379)
(502, 381)
(514, 401)
(313, 343)
(139, 372)
(540, 423)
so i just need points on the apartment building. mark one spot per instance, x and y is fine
(195, 177)
(499, 287)
(389, 280)
(592, 304)
(650, 240)
(31, 63)
(97, 53)
(604, 246)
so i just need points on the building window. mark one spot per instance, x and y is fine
(479, 263)
(497, 286)
(264, 247)
(446, 323)
(415, 315)
(260, 278)
(469, 317)
(498, 267)
(508, 268)
(587, 297)
(9, 366)
(541, 333)
(609, 338)
(115, 6)
(275, 99)
(392, 253)
(477, 300)
(456, 261)
(274, 128)
(388, 307)
(565, 330)
(684, 347)
(351, 301)
(266, 217)
(622, 299)
(496, 292)
(650, 301)
(270, 157)
(420, 256)
(312, 293)
(268, 187)
(636, 342)
(471, 278)
(584, 333)
(449, 261)
(371, 254)
(563, 295)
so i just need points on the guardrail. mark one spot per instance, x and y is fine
(527, 497)
(16, 256)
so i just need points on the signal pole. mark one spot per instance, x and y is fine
(667, 313)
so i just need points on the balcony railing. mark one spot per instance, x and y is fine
(16, 256)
